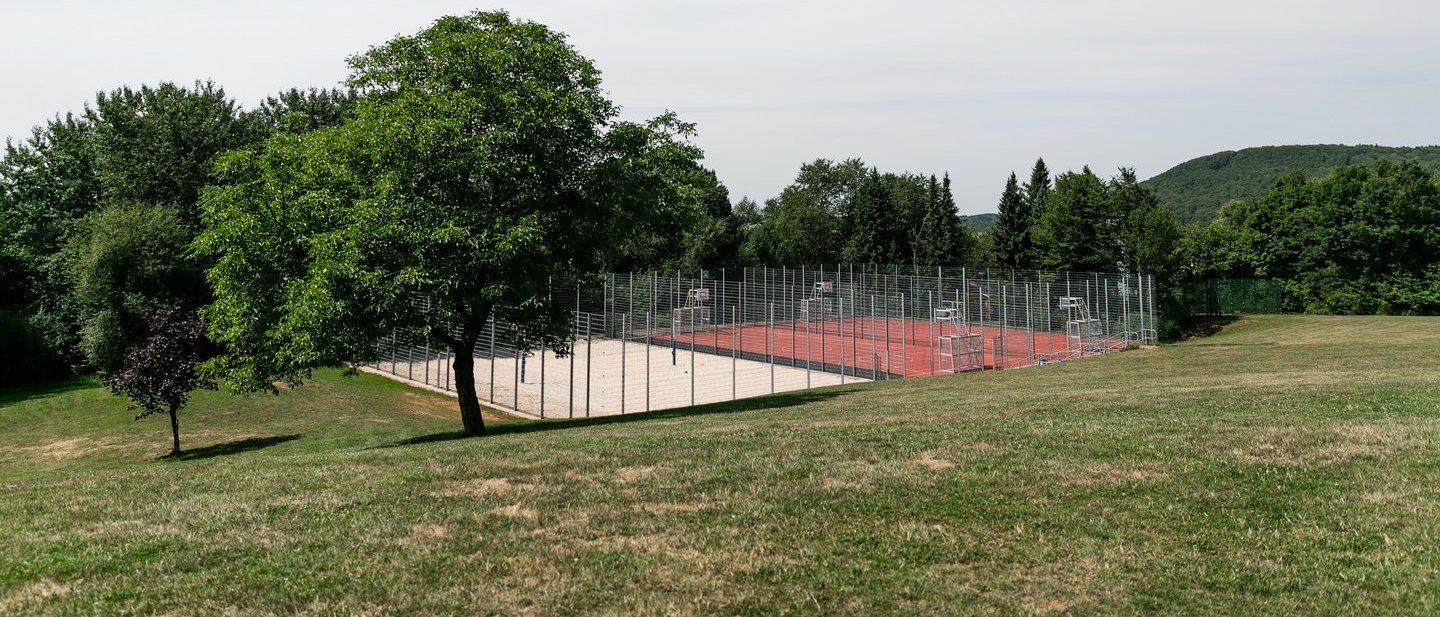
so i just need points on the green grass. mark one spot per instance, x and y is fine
(1288, 465)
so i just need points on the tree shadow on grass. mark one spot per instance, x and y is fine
(1205, 326)
(12, 396)
(230, 447)
(774, 401)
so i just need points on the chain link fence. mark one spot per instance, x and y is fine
(651, 341)
(1218, 297)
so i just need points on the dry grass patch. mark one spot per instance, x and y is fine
(626, 475)
(71, 448)
(128, 528)
(30, 594)
(1407, 499)
(670, 508)
(516, 510)
(929, 461)
(1300, 446)
(423, 533)
(1105, 473)
(484, 487)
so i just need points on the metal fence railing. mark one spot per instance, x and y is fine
(650, 341)
(1215, 297)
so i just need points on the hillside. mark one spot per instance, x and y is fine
(1284, 466)
(979, 222)
(1195, 190)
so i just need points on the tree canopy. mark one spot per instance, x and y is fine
(1360, 240)
(482, 163)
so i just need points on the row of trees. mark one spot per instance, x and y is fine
(472, 162)
(1082, 222)
(1361, 240)
(98, 209)
(850, 212)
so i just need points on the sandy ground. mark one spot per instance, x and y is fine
(589, 382)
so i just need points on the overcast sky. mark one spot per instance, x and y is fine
(976, 89)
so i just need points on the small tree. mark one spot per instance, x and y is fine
(159, 375)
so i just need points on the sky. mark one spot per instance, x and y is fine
(976, 89)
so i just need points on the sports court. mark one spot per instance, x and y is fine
(646, 342)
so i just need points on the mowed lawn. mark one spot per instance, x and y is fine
(1288, 465)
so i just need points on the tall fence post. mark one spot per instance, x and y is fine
(492, 360)
(647, 358)
(769, 348)
(574, 348)
(692, 360)
(930, 332)
(624, 347)
(904, 349)
(589, 356)
(840, 326)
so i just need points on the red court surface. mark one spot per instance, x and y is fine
(873, 347)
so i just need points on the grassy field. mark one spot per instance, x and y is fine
(1287, 465)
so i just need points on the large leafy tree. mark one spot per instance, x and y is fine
(701, 235)
(124, 263)
(156, 144)
(145, 147)
(46, 183)
(1145, 235)
(914, 197)
(715, 237)
(1077, 230)
(483, 162)
(807, 222)
(1360, 240)
(301, 111)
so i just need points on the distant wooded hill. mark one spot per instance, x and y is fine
(1195, 190)
(979, 222)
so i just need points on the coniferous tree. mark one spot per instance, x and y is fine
(1011, 234)
(962, 241)
(932, 243)
(1037, 196)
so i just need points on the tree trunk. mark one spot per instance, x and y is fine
(174, 431)
(464, 366)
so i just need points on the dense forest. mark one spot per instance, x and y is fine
(1360, 240)
(1196, 189)
(317, 206)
